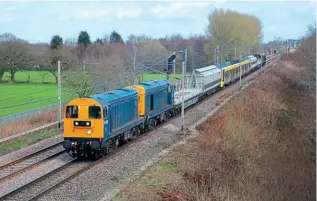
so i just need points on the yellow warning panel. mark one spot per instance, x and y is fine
(141, 94)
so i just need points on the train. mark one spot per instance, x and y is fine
(96, 125)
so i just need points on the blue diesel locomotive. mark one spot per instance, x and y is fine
(96, 125)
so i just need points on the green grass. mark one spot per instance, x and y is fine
(19, 92)
(26, 140)
(35, 76)
(150, 76)
(11, 94)
(16, 93)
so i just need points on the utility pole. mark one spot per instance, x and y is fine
(235, 50)
(59, 89)
(84, 66)
(185, 61)
(174, 53)
(183, 93)
(240, 65)
(135, 47)
(217, 55)
(261, 58)
(164, 63)
(192, 67)
(134, 59)
(174, 67)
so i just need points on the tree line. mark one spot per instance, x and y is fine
(235, 34)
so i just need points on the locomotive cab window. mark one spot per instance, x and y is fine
(94, 112)
(72, 111)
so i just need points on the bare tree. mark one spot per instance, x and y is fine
(14, 55)
(134, 41)
(81, 83)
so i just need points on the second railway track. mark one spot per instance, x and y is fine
(18, 166)
(41, 186)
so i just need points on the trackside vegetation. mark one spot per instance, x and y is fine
(259, 146)
(26, 140)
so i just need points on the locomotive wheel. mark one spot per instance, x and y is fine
(95, 155)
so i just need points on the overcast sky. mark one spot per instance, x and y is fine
(37, 21)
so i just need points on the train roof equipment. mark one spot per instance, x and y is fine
(154, 84)
(114, 95)
(206, 71)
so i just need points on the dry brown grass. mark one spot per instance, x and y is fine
(35, 121)
(260, 146)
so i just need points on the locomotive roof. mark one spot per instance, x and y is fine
(114, 95)
(154, 84)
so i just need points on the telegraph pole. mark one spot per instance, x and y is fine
(84, 66)
(261, 58)
(174, 67)
(59, 89)
(183, 93)
(174, 53)
(217, 55)
(185, 61)
(235, 50)
(164, 63)
(240, 66)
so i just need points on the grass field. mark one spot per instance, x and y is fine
(35, 76)
(150, 76)
(21, 91)
(16, 93)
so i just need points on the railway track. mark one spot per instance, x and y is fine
(50, 181)
(23, 164)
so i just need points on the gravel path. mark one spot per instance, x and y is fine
(108, 177)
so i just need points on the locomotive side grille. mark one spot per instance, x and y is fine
(82, 123)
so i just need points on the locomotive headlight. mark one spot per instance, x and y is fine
(89, 132)
(76, 123)
(87, 123)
